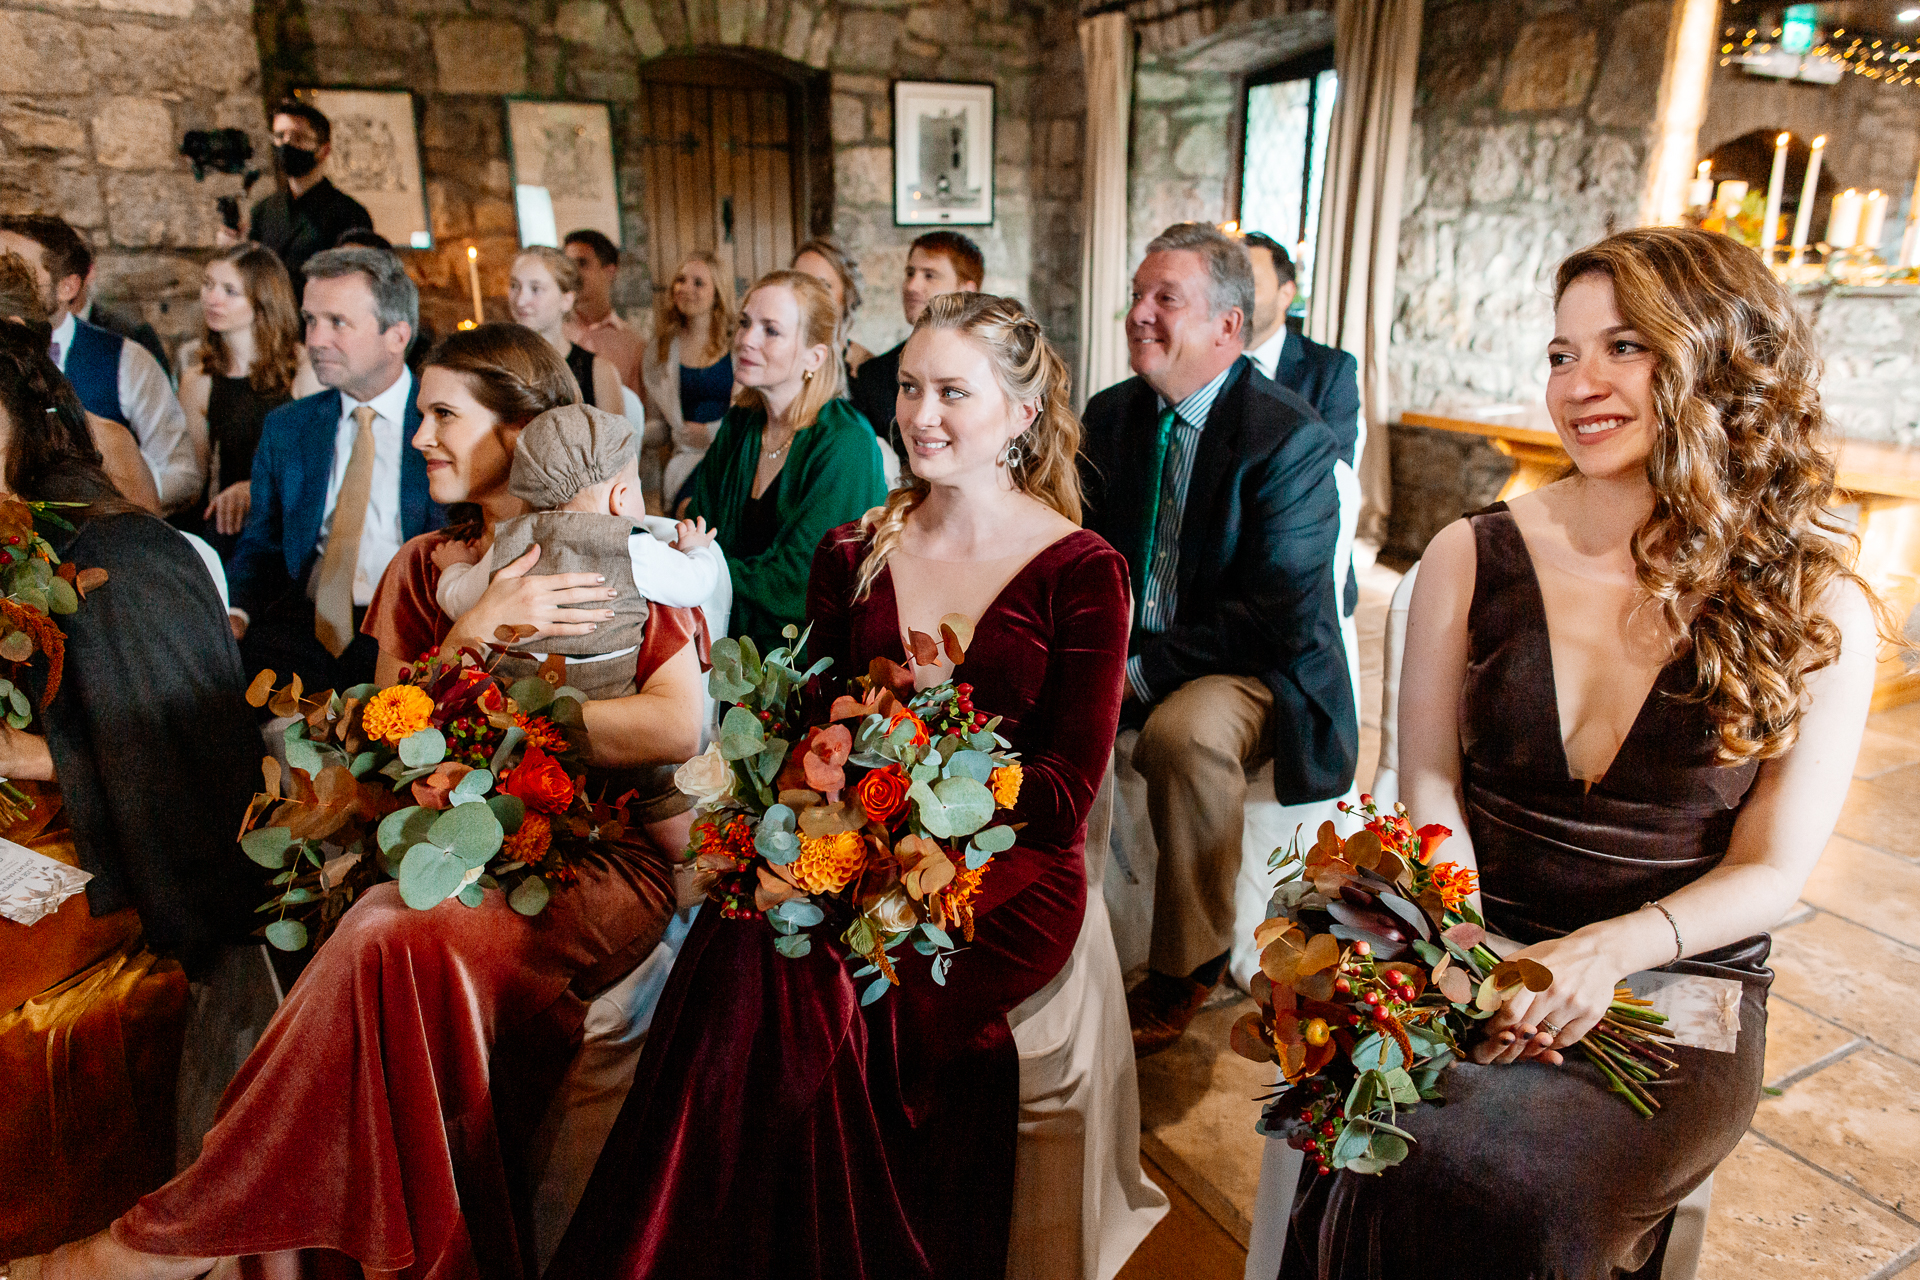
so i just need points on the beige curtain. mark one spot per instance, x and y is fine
(1106, 47)
(1376, 53)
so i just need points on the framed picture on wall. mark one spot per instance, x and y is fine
(942, 154)
(376, 158)
(561, 154)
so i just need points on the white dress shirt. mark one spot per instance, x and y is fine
(380, 535)
(1266, 356)
(174, 453)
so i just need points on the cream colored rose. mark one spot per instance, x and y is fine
(893, 912)
(707, 778)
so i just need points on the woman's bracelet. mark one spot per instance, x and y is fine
(1679, 947)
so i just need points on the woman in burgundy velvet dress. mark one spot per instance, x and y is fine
(775, 1126)
(362, 1134)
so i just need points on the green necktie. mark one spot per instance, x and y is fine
(1157, 471)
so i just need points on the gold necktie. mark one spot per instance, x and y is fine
(333, 589)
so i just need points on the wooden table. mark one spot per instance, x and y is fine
(1882, 481)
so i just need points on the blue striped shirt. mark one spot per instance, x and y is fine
(1161, 577)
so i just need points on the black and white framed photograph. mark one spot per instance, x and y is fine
(942, 154)
(561, 154)
(376, 158)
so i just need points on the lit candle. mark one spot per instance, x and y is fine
(473, 277)
(1803, 217)
(1873, 220)
(1910, 242)
(1776, 183)
(1732, 192)
(1843, 224)
(1700, 191)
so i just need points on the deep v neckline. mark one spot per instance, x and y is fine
(1553, 676)
(893, 595)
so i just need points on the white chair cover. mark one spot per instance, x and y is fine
(1081, 1204)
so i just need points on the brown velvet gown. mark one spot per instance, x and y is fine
(1530, 1171)
(383, 1112)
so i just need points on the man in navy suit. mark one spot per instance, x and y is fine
(1218, 487)
(1325, 377)
(337, 483)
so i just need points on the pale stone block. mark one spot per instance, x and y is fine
(157, 8)
(480, 55)
(134, 133)
(1202, 152)
(733, 21)
(820, 43)
(39, 52)
(581, 21)
(799, 27)
(1551, 67)
(941, 23)
(849, 119)
(159, 209)
(43, 130)
(1158, 86)
(647, 40)
(1629, 85)
(864, 175)
(867, 41)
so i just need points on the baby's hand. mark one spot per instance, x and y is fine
(452, 552)
(692, 535)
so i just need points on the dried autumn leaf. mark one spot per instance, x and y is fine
(773, 891)
(89, 580)
(286, 702)
(824, 820)
(885, 673)
(1267, 930)
(513, 633)
(67, 571)
(16, 646)
(1280, 961)
(1323, 952)
(1248, 1038)
(925, 651)
(1327, 844)
(270, 775)
(1261, 988)
(1465, 936)
(1315, 986)
(1362, 849)
(1296, 1060)
(261, 689)
(1528, 973)
(334, 870)
(1454, 984)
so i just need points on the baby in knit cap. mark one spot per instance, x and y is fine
(578, 467)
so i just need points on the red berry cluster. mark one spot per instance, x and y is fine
(1325, 1119)
(472, 740)
(774, 725)
(959, 713)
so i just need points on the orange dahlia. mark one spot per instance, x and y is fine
(397, 713)
(542, 732)
(953, 905)
(530, 843)
(828, 864)
(1006, 782)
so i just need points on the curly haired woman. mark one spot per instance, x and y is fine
(1636, 697)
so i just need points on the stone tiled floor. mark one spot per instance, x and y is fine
(1825, 1185)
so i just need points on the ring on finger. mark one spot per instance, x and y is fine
(1551, 1028)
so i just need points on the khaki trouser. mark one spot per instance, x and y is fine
(1195, 751)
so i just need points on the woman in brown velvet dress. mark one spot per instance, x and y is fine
(1635, 696)
(382, 1115)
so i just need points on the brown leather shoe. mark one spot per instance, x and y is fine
(1159, 1009)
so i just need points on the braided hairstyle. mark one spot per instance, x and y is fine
(1029, 371)
(50, 452)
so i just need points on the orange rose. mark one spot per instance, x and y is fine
(883, 793)
(540, 781)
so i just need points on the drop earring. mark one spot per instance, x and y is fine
(1011, 456)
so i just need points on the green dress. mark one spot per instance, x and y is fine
(832, 475)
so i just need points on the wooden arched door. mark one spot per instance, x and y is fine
(725, 159)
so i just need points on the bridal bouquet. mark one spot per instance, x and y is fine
(34, 585)
(446, 782)
(1373, 973)
(883, 820)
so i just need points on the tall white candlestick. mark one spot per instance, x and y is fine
(1700, 190)
(473, 277)
(1873, 220)
(1776, 183)
(1809, 189)
(1843, 224)
(1910, 242)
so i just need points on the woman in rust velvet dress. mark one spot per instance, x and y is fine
(379, 1121)
(1644, 755)
(775, 1126)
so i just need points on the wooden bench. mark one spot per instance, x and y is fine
(1881, 481)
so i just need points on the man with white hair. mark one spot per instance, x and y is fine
(1218, 486)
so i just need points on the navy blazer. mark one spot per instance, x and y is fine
(1255, 574)
(1328, 379)
(291, 468)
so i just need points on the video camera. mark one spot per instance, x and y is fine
(222, 151)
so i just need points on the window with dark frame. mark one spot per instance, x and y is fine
(1287, 114)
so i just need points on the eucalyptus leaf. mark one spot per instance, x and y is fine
(469, 831)
(1367, 1164)
(727, 681)
(287, 935)
(939, 968)
(1400, 1087)
(772, 756)
(512, 738)
(977, 765)
(1388, 1148)
(961, 807)
(471, 895)
(793, 945)
(741, 734)
(977, 857)
(423, 749)
(1429, 954)
(995, 839)
(271, 847)
(429, 875)
(799, 912)
(1352, 1143)
(362, 764)
(936, 935)
(875, 989)
(474, 786)
(860, 936)
(927, 771)
(529, 897)
(510, 810)
(531, 693)
(302, 754)
(1377, 1051)
(61, 597)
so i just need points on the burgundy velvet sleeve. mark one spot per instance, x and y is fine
(836, 563)
(1067, 739)
(404, 617)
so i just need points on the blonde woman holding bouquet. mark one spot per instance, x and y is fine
(1635, 696)
(868, 1142)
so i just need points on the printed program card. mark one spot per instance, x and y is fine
(33, 886)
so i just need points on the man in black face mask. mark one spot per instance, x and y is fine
(310, 213)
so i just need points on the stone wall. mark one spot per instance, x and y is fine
(461, 56)
(93, 103)
(1531, 138)
(1870, 339)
